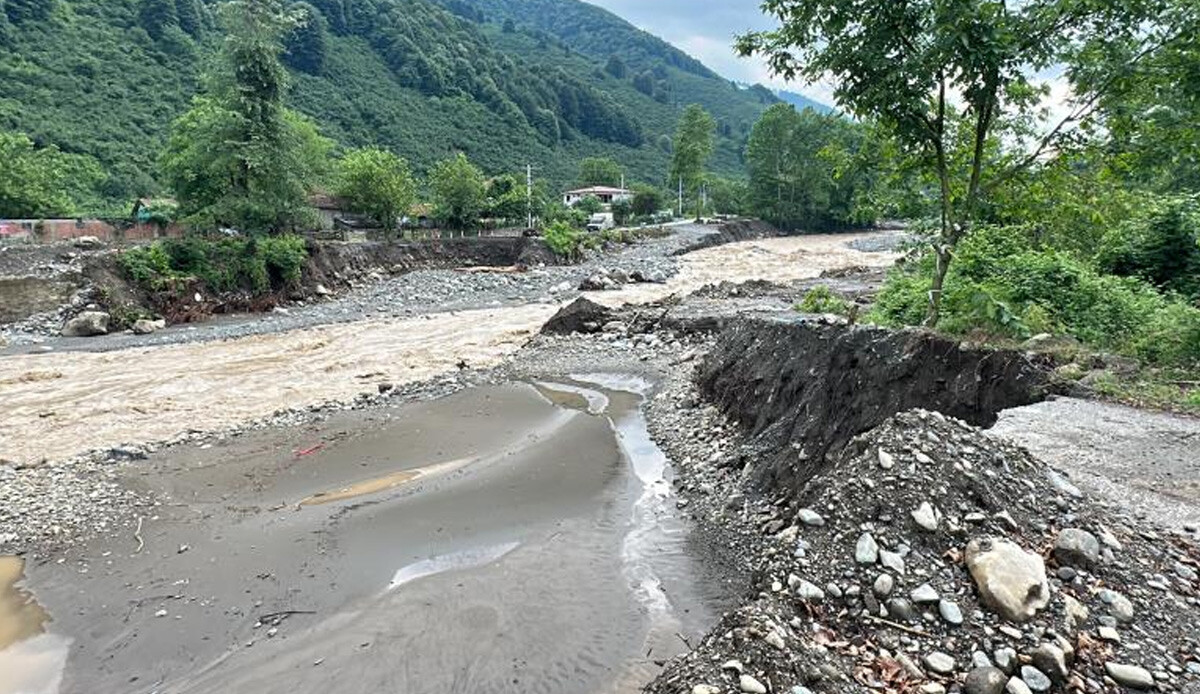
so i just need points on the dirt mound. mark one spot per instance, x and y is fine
(803, 387)
(931, 557)
(580, 316)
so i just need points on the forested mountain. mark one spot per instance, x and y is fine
(508, 82)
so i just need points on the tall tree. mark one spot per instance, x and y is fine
(693, 146)
(459, 192)
(378, 183)
(951, 78)
(191, 16)
(239, 157)
(307, 43)
(616, 67)
(599, 171)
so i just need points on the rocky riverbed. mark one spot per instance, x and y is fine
(628, 499)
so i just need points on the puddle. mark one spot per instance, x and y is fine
(31, 661)
(505, 538)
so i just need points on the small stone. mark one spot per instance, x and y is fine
(1109, 634)
(924, 593)
(866, 551)
(950, 612)
(1006, 660)
(926, 516)
(1077, 548)
(892, 560)
(1119, 606)
(1129, 676)
(1016, 686)
(901, 610)
(809, 591)
(750, 685)
(941, 663)
(1075, 614)
(1035, 678)
(735, 665)
(933, 688)
(985, 680)
(810, 517)
(774, 638)
(160, 613)
(1051, 661)
(886, 461)
(706, 689)
(884, 583)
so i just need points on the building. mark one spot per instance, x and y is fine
(604, 194)
(329, 210)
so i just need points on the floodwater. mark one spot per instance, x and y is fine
(60, 404)
(31, 661)
(508, 538)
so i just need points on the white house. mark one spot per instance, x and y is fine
(604, 194)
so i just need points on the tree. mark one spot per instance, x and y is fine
(40, 182)
(589, 204)
(616, 67)
(694, 142)
(156, 16)
(794, 160)
(377, 183)
(238, 157)
(907, 65)
(306, 44)
(509, 27)
(458, 192)
(647, 201)
(599, 171)
(622, 210)
(644, 83)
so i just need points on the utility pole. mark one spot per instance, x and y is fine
(529, 196)
(681, 196)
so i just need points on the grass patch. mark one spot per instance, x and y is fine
(255, 264)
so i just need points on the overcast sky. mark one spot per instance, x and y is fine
(705, 29)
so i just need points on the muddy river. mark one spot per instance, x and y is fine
(509, 538)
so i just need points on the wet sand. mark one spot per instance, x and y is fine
(57, 405)
(507, 538)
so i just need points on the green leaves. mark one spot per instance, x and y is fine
(38, 182)
(693, 145)
(458, 191)
(378, 183)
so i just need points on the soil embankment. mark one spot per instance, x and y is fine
(803, 388)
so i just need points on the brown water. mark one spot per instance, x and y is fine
(512, 538)
(31, 662)
(56, 405)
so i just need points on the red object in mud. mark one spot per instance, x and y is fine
(309, 451)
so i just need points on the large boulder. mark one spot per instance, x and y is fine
(580, 316)
(87, 324)
(1010, 580)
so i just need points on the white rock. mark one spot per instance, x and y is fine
(1129, 676)
(750, 685)
(866, 551)
(1010, 580)
(927, 516)
(886, 461)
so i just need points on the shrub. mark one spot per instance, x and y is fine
(1161, 245)
(224, 265)
(821, 300)
(565, 240)
(1000, 287)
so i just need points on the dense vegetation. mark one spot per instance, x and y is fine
(105, 79)
(256, 265)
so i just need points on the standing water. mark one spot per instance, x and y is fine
(510, 538)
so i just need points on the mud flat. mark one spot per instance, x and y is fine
(511, 537)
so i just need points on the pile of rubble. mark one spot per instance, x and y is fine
(607, 279)
(930, 557)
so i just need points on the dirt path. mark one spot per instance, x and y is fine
(57, 405)
(1144, 461)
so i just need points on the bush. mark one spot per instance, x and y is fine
(821, 300)
(224, 265)
(565, 240)
(1161, 245)
(1001, 287)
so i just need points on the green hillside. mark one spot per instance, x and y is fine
(106, 77)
